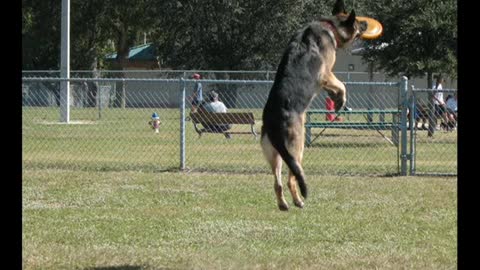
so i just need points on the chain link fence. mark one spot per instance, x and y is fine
(108, 127)
(434, 133)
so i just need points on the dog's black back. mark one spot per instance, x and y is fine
(297, 76)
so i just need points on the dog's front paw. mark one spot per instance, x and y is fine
(339, 101)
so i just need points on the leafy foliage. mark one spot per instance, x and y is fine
(419, 37)
(88, 34)
(245, 34)
(40, 34)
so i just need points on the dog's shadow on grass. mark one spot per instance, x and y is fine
(126, 267)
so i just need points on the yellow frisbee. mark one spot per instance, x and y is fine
(374, 28)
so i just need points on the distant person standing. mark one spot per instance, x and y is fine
(330, 106)
(439, 102)
(197, 97)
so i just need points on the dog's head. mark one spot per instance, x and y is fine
(345, 26)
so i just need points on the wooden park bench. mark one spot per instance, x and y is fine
(201, 120)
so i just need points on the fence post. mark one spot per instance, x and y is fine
(99, 98)
(308, 132)
(182, 124)
(413, 131)
(123, 101)
(403, 125)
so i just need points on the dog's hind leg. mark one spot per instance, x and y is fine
(277, 185)
(292, 185)
(275, 161)
(292, 182)
(296, 147)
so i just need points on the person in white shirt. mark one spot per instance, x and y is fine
(215, 105)
(439, 103)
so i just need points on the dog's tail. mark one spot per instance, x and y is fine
(292, 164)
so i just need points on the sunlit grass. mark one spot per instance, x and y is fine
(122, 139)
(107, 193)
(138, 220)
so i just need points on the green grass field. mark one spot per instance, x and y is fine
(122, 140)
(107, 194)
(143, 220)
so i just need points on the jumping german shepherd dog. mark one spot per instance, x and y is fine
(305, 68)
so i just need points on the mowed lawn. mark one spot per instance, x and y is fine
(81, 219)
(122, 140)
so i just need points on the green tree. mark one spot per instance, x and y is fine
(228, 35)
(126, 19)
(210, 34)
(94, 26)
(89, 38)
(40, 34)
(420, 37)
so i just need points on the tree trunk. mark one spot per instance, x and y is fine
(123, 48)
(92, 87)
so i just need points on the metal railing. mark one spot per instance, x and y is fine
(206, 74)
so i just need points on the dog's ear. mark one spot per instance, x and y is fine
(339, 7)
(351, 19)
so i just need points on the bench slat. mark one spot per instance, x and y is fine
(223, 118)
(354, 112)
(351, 125)
(211, 118)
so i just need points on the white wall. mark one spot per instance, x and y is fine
(344, 58)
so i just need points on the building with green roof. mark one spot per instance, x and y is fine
(139, 57)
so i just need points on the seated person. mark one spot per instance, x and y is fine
(213, 104)
(451, 105)
(420, 116)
